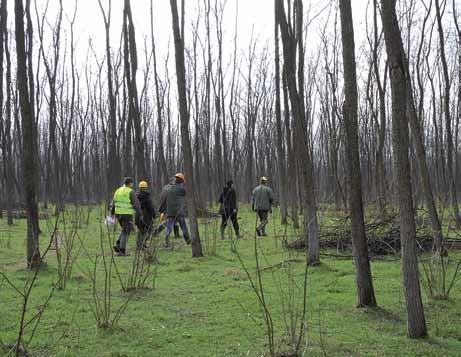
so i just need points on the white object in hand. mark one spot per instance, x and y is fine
(110, 221)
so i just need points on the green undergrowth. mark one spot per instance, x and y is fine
(206, 306)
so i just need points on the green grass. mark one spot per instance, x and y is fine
(206, 307)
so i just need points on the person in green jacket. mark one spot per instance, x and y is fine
(175, 210)
(162, 210)
(125, 205)
(262, 199)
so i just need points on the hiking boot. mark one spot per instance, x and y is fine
(258, 232)
(116, 249)
(187, 239)
(123, 253)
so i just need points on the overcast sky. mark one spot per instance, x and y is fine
(255, 18)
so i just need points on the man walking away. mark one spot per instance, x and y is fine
(262, 198)
(124, 206)
(175, 208)
(162, 210)
(148, 214)
(228, 208)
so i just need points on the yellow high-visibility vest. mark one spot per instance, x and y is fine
(122, 201)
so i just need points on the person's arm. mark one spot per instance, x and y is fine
(271, 199)
(150, 208)
(233, 200)
(135, 203)
(271, 196)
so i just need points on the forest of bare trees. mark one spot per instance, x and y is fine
(360, 119)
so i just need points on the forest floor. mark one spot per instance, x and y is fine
(207, 307)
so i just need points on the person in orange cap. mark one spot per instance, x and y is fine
(162, 210)
(176, 208)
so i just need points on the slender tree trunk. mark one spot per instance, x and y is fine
(131, 68)
(185, 137)
(416, 322)
(281, 167)
(159, 105)
(446, 110)
(364, 280)
(297, 105)
(113, 167)
(29, 138)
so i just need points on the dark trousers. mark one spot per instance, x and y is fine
(172, 221)
(144, 233)
(162, 227)
(225, 216)
(126, 222)
(263, 220)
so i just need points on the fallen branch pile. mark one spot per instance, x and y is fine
(383, 236)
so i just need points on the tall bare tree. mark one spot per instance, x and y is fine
(113, 162)
(446, 111)
(29, 134)
(292, 39)
(185, 136)
(365, 291)
(281, 167)
(130, 69)
(416, 322)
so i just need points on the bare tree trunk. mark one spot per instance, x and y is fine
(113, 169)
(380, 167)
(29, 139)
(159, 105)
(297, 105)
(281, 167)
(416, 321)
(185, 137)
(364, 280)
(131, 68)
(446, 110)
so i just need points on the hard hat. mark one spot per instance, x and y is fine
(180, 176)
(143, 184)
(263, 179)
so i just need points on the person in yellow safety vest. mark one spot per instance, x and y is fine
(125, 205)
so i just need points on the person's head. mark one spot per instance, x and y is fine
(263, 180)
(180, 178)
(229, 183)
(128, 181)
(143, 185)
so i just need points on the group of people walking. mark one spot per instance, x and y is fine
(131, 207)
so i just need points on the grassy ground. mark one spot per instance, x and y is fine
(206, 306)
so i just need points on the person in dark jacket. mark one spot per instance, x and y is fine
(162, 210)
(262, 198)
(228, 208)
(124, 206)
(175, 207)
(148, 214)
